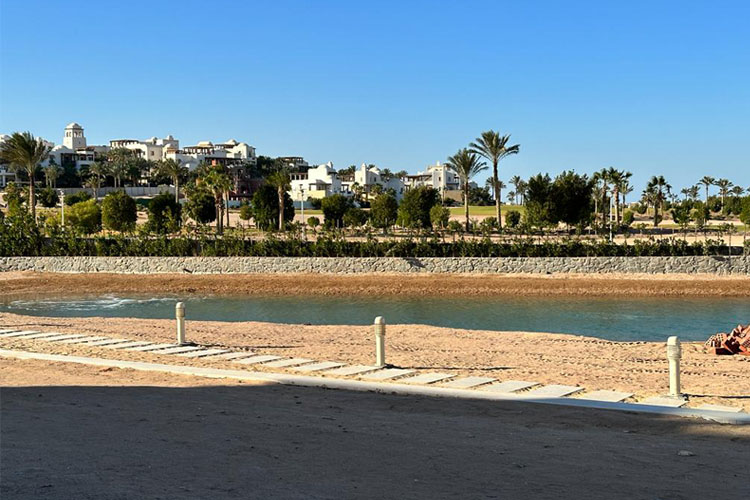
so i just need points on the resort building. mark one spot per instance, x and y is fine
(74, 149)
(438, 176)
(317, 182)
(295, 163)
(154, 149)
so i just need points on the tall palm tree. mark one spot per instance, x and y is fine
(174, 170)
(23, 152)
(517, 182)
(97, 172)
(467, 164)
(282, 182)
(601, 188)
(707, 181)
(219, 182)
(51, 174)
(655, 193)
(522, 193)
(724, 186)
(511, 195)
(494, 147)
(617, 178)
(737, 191)
(693, 192)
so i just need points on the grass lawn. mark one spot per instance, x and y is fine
(475, 210)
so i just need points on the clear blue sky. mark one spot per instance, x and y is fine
(650, 87)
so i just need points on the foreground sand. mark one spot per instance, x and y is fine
(638, 367)
(88, 432)
(381, 284)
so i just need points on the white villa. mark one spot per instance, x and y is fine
(323, 180)
(155, 149)
(438, 176)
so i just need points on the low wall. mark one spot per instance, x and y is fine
(353, 265)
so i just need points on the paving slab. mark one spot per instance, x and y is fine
(732, 409)
(82, 340)
(104, 342)
(553, 391)
(254, 360)
(152, 347)
(468, 382)
(387, 373)
(21, 333)
(233, 355)
(664, 401)
(134, 343)
(200, 354)
(612, 396)
(57, 338)
(352, 370)
(426, 378)
(315, 367)
(510, 386)
(41, 335)
(285, 363)
(179, 349)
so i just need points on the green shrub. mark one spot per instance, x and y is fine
(201, 207)
(455, 227)
(334, 208)
(313, 222)
(355, 217)
(627, 218)
(246, 211)
(72, 199)
(414, 211)
(47, 197)
(163, 214)
(512, 218)
(119, 211)
(85, 217)
(265, 208)
(383, 211)
(439, 216)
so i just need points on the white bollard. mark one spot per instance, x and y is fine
(379, 342)
(179, 310)
(673, 355)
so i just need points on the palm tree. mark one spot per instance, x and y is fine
(467, 164)
(617, 178)
(517, 183)
(217, 180)
(282, 182)
(97, 172)
(656, 192)
(511, 196)
(707, 181)
(494, 147)
(23, 152)
(174, 170)
(693, 192)
(601, 188)
(522, 193)
(51, 174)
(737, 191)
(724, 186)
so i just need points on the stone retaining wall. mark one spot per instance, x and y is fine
(352, 265)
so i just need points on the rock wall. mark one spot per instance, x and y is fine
(739, 265)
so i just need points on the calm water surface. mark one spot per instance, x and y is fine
(607, 318)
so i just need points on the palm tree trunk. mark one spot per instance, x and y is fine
(177, 189)
(497, 198)
(281, 208)
(32, 195)
(466, 205)
(226, 204)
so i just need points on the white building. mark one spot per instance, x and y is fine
(317, 182)
(74, 149)
(438, 176)
(155, 149)
(367, 178)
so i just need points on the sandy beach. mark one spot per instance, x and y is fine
(638, 367)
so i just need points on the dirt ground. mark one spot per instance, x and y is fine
(638, 367)
(380, 285)
(87, 432)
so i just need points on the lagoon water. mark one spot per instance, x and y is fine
(627, 319)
